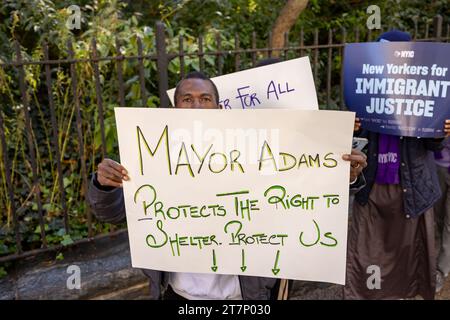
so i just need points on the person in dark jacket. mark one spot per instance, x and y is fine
(442, 215)
(107, 202)
(391, 236)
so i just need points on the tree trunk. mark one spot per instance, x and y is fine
(285, 20)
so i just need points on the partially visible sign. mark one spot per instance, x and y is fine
(288, 84)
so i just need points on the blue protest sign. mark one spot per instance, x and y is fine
(399, 88)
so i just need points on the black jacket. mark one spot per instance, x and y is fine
(418, 176)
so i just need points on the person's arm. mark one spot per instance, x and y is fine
(357, 126)
(433, 144)
(107, 204)
(436, 144)
(105, 194)
(359, 183)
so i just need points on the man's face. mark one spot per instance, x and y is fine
(196, 94)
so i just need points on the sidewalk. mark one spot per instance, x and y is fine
(445, 292)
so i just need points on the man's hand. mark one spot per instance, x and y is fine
(357, 124)
(447, 128)
(111, 173)
(358, 161)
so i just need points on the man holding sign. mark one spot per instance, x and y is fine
(107, 200)
(391, 242)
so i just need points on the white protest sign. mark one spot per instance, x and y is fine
(288, 84)
(261, 192)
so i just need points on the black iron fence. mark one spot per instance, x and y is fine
(325, 52)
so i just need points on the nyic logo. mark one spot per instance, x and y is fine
(404, 54)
